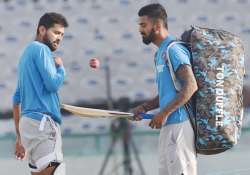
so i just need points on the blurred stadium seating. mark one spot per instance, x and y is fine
(107, 30)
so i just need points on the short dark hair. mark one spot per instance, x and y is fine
(154, 11)
(48, 20)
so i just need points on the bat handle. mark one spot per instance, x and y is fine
(146, 116)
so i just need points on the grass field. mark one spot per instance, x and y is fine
(85, 155)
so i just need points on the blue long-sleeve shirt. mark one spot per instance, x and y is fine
(38, 83)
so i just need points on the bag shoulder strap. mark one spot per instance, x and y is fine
(177, 86)
(176, 82)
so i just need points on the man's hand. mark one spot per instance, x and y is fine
(139, 109)
(58, 61)
(20, 151)
(157, 120)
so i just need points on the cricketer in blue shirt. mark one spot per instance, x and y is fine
(38, 82)
(179, 55)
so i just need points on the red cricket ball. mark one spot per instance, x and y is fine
(94, 63)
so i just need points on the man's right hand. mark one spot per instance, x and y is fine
(58, 61)
(137, 110)
(19, 150)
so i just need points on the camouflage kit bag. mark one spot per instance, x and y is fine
(218, 66)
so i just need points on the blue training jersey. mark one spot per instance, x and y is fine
(38, 82)
(179, 55)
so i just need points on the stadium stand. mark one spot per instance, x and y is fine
(107, 29)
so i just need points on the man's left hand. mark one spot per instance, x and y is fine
(157, 120)
(58, 61)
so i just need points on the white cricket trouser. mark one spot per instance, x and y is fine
(177, 155)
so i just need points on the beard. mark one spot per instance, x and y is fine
(49, 43)
(150, 38)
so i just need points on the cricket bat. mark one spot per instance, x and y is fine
(100, 113)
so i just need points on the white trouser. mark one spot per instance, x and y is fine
(177, 154)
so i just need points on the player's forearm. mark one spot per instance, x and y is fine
(181, 99)
(53, 83)
(189, 87)
(52, 79)
(151, 104)
(16, 115)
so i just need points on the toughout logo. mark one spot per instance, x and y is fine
(219, 101)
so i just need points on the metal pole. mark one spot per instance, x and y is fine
(108, 83)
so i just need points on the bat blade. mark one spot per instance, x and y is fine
(96, 113)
